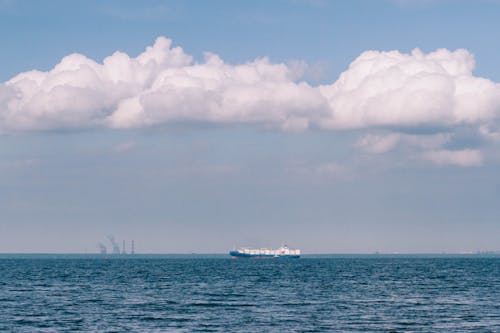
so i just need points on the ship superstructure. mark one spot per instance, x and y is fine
(282, 252)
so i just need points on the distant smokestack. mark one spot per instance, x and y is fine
(123, 248)
(103, 249)
(116, 247)
(132, 249)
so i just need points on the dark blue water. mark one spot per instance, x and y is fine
(159, 294)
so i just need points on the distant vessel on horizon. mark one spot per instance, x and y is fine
(281, 252)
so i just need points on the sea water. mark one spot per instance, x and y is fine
(216, 294)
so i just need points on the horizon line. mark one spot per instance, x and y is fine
(494, 252)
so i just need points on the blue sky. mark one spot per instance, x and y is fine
(400, 159)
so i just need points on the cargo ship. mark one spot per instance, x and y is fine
(282, 252)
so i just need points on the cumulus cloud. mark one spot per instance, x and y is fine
(396, 89)
(163, 84)
(379, 91)
(79, 92)
(464, 158)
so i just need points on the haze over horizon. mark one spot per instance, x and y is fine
(196, 126)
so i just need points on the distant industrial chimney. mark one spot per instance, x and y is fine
(132, 249)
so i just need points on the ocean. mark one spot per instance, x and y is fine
(168, 293)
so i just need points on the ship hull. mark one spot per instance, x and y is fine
(238, 255)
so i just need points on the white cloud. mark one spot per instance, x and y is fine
(464, 158)
(382, 143)
(163, 85)
(380, 91)
(378, 144)
(78, 92)
(487, 132)
(396, 89)
(159, 86)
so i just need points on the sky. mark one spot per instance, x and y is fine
(197, 126)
